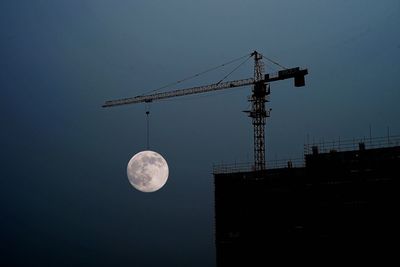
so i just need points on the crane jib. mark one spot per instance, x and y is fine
(180, 92)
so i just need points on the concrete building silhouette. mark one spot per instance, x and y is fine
(342, 203)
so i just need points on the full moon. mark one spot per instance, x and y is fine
(147, 171)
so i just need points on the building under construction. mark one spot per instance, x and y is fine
(340, 196)
(340, 202)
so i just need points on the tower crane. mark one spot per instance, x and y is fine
(260, 91)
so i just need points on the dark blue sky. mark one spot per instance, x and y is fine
(64, 194)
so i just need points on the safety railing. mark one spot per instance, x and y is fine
(322, 147)
(352, 144)
(249, 166)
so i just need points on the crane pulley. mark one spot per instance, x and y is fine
(259, 97)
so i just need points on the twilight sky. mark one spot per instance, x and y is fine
(64, 195)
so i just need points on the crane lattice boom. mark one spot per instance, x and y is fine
(181, 92)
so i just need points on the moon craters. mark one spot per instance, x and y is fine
(147, 171)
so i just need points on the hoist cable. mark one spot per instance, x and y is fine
(147, 127)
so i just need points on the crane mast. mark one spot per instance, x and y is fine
(259, 97)
(258, 112)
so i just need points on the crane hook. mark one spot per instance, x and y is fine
(147, 127)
